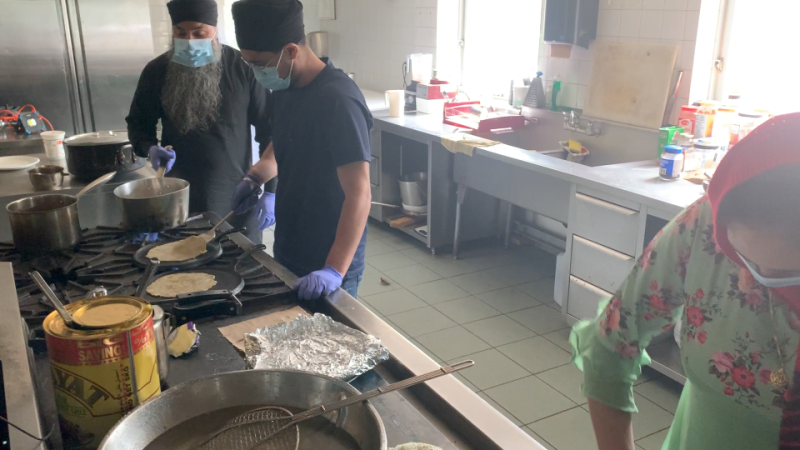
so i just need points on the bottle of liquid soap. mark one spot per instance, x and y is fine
(556, 90)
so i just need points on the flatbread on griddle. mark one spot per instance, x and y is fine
(171, 286)
(183, 250)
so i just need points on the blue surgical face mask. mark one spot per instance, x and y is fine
(773, 283)
(269, 77)
(193, 52)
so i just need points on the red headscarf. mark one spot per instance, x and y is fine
(775, 143)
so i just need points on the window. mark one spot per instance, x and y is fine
(483, 44)
(757, 54)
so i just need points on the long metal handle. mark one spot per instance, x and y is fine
(323, 409)
(224, 219)
(152, 268)
(102, 180)
(45, 288)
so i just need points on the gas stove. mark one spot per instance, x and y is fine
(103, 264)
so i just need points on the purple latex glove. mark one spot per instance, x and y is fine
(159, 155)
(265, 211)
(245, 196)
(318, 283)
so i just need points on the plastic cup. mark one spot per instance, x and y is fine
(54, 144)
(396, 101)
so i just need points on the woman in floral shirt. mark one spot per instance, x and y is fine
(729, 266)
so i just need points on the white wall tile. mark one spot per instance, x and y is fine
(679, 5)
(568, 95)
(585, 72)
(425, 17)
(630, 23)
(543, 61)
(673, 24)
(693, 5)
(581, 97)
(632, 4)
(555, 67)
(653, 4)
(608, 21)
(651, 24)
(570, 71)
(687, 55)
(692, 22)
(646, 40)
(611, 4)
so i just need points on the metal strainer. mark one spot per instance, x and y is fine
(275, 428)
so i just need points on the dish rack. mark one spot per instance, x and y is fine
(472, 116)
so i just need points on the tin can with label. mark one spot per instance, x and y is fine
(102, 369)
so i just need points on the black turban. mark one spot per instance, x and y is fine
(203, 11)
(268, 25)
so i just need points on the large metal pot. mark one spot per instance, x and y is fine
(184, 415)
(153, 204)
(90, 155)
(48, 223)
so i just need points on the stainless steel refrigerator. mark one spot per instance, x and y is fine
(76, 61)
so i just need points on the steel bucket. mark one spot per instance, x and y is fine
(414, 189)
(185, 415)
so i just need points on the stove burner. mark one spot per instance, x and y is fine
(104, 261)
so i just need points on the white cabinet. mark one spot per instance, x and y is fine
(612, 225)
(584, 299)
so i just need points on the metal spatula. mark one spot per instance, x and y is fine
(266, 428)
(209, 235)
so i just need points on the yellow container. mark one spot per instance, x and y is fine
(93, 371)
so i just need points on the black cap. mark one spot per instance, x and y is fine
(268, 25)
(203, 11)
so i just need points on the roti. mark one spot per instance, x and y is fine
(183, 250)
(171, 286)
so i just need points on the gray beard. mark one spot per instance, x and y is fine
(191, 95)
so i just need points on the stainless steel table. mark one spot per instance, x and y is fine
(13, 143)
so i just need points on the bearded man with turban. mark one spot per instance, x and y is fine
(207, 100)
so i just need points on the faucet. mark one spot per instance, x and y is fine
(572, 122)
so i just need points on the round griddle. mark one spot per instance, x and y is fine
(213, 251)
(229, 283)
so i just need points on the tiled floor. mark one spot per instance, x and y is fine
(496, 307)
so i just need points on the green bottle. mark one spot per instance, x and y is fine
(556, 89)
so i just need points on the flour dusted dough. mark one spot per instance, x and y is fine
(170, 286)
(182, 250)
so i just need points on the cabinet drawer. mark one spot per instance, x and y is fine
(584, 299)
(599, 265)
(611, 225)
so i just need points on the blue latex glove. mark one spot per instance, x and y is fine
(245, 196)
(265, 211)
(318, 283)
(159, 155)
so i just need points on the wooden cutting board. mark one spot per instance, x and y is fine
(630, 82)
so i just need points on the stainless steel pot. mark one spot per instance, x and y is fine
(161, 329)
(184, 415)
(414, 189)
(47, 178)
(48, 223)
(90, 155)
(153, 204)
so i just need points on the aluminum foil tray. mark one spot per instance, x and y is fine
(315, 344)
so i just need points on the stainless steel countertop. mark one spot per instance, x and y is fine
(15, 183)
(13, 143)
(635, 181)
(20, 396)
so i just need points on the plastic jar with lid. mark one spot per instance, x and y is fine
(687, 118)
(671, 164)
(745, 123)
(710, 152)
(704, 124)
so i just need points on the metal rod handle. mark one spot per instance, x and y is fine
(45, 288)
(320, 410)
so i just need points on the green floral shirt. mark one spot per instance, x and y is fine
(728, 348)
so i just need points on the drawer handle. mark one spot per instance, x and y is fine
(605, 204)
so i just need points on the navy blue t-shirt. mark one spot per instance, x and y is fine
(316, 129)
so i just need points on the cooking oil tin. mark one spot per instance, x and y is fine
(101, 368)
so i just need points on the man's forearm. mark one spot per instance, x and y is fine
(267, 167)
(352, 221)
(612, 427)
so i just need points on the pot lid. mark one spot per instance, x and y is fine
(98, 138)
